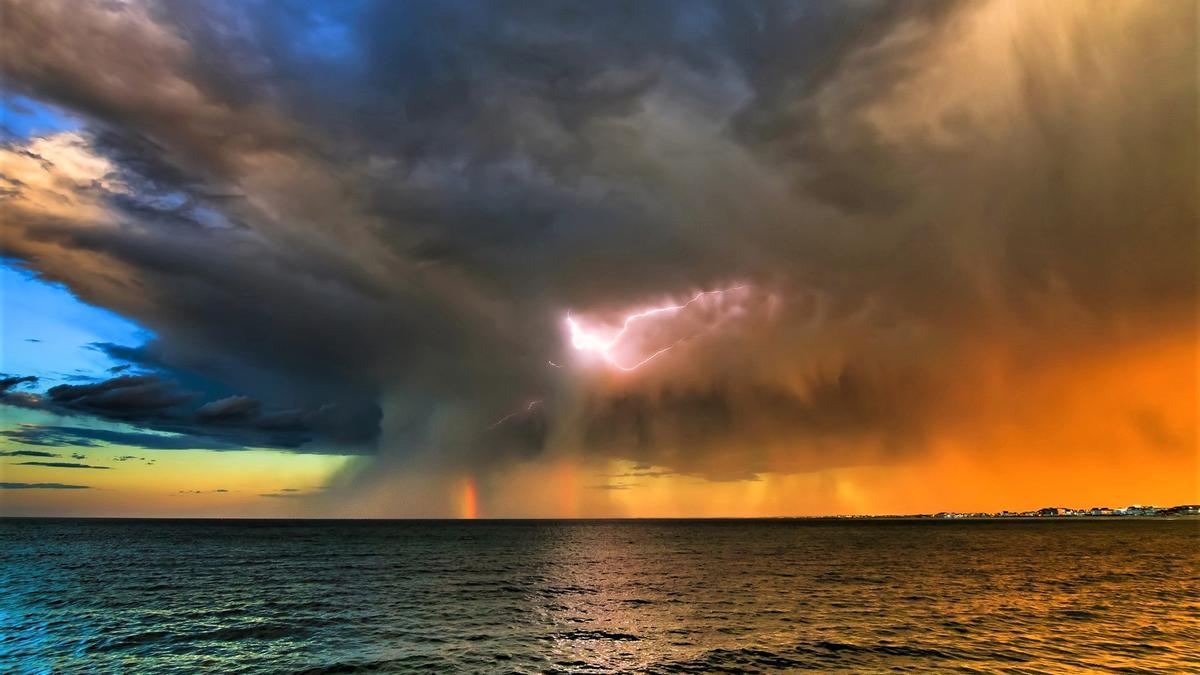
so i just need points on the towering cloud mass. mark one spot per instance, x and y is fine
(360, 227)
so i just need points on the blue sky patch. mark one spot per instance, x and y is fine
(46, 331)
(23, 118)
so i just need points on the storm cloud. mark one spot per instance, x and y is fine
(358, 228)
(173, 416)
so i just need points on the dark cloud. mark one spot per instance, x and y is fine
(80, 377)
(643, 473)
(41, 486)
(160, 405)
(62, 465)
(722, 427)
(285, 493)
(125, 395)
(27, 453)
(19, 399)
(364, 238)
(73, 436)
(9, 382)
(232, 408)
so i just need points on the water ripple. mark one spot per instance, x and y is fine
(646, 596)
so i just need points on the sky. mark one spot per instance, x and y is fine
(576, 259)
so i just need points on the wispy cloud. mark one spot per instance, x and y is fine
(285, 493)
(28, 453)
(42, 486)
(62, 465)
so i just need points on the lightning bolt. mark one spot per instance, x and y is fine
(527, 408)
(583, 340)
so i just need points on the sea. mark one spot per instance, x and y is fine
(629, 596)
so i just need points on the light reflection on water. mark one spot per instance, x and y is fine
(683, 596)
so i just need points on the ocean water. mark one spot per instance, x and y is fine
(599, 596)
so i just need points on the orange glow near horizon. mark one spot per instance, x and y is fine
(470, 499)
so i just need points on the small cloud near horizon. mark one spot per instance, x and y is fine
(42, 486)
(63, 465)
(28, 453)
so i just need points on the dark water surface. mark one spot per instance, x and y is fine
(656, 596)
